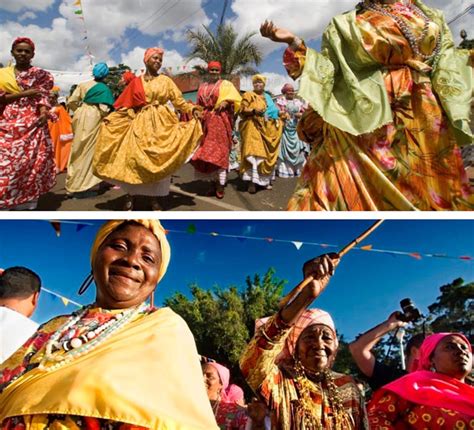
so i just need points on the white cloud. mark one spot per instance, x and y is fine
(18, 5)
(27, 15)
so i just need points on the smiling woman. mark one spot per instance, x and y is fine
(78, 367)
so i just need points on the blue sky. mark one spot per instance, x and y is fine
(366, 288)
(120, 30)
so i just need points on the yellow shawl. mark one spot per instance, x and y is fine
(147, 374)
(8, 81)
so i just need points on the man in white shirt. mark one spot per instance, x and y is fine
(19, 292)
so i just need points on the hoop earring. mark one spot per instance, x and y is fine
(86, 284)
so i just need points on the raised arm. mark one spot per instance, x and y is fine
(361, 348)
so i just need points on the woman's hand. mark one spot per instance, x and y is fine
(223, 106)
(197, 114)
(320, 269)
(42, 119)
(270, 31)
(33, 92)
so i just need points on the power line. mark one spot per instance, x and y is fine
(460, 15)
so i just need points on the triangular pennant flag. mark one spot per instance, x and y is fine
(269, 239)
(214, 234)
(415, 255)
(65, 301)
(324, 245)
(366, 247)
(78, 12)
(57, 227)
(167, 231)
(191, 229)
(298, 245)
(465, 257)
(77, 3)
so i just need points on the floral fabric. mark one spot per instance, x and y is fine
(27, 168)
(409, 164)
(231, 416)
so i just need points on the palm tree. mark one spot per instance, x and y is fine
(235, 55)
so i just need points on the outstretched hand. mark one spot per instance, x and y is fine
(270, 31)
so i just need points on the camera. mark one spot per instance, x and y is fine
(410, 312)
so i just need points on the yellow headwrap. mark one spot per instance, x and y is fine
(259, 77)
(151, 224)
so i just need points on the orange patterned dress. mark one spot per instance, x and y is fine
(409, 164)
(392, 412)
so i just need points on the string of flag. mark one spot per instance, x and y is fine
(64, 299)
(191, 229)
(78, 11)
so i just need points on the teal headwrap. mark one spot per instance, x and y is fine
(100, 70)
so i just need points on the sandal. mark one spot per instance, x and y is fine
(252, 189)
(219, 191)
(128, 205)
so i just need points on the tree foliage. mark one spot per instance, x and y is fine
(113, 80)
(236, 55)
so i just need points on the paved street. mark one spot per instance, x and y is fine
(187, 194)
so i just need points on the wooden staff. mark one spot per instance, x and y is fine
(295, 291)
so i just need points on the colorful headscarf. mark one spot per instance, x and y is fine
(286, 88)
(224, 373)
(23, 40)
(423, 387)
(151, 224)
(214, 65)
(56, 89)
(259, 77)
(150, 52)
(100, 70)
(308, 318)
(233, 394)
(423, 362)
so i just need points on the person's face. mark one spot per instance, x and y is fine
(258, 86)
(154, 63)
(316, 347)
(126, 267)
(212, 381)
(452, 357)
(22, 53)
(214, 74)
(290, 94)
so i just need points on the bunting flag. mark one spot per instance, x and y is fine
(57, 227)
(65, 300)
(298, 244)
(78, 10)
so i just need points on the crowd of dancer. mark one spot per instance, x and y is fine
(121, 363)
(377, 123)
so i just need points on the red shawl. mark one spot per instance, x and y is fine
(133, 96)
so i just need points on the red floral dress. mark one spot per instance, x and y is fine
(213, 154)
(231, 416)
(27, 168)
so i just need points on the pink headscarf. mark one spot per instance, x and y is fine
(224, 373)
(150, 52)
(423, 362)
(308, 318)
(286, 88)
(428, 388)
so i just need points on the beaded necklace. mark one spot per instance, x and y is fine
(65, 338)
(305, 414)
(413, 41)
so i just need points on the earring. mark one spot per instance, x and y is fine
(86, 284)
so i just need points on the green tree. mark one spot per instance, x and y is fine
(222, 319)
(454, 308)
(114, 77)
(236, 55)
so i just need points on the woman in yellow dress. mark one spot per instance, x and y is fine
(143, 142)
(389, 98)
(260, 132)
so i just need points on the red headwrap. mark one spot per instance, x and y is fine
(214, 65)
(150, 52)
(23, 40)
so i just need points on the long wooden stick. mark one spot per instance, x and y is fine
(295, 291)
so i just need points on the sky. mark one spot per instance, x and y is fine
(118, 31)
(365, 289)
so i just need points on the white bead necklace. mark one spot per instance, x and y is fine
(73, 347)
